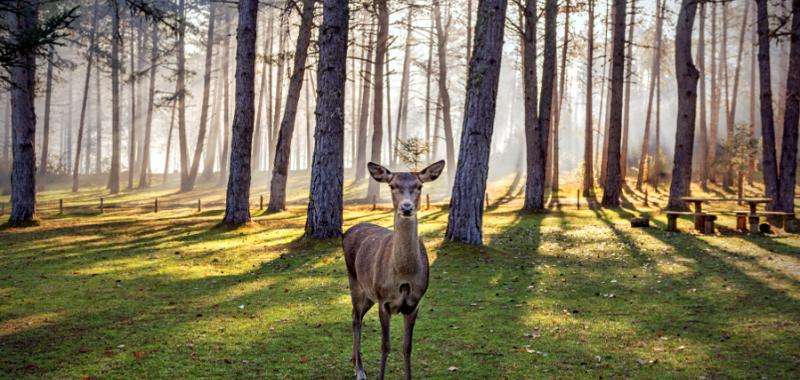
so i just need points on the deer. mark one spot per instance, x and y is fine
(389, 267)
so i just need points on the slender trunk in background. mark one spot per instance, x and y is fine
(257, 140)
(181, 77)
(588, 170)
(751, 170)
(613, 185)
(727, 175)
(354, 103)
(169, 141)
(373, 188)
(226, 121)
(363, 114)
(701, 68)
(134, 115)
(276, 112)
(655, 72)
(89, 62)
(713, 128)
(687, 77)
(654, 178)
(47, 99)
(237, 200)
(324, 217)
(442, 34)
(309, 131)
(7, 135)
(144, 171)
(113, 176)
(788, 168)
(780, 103)
(559, 103)
(731, 117)
(23, 115)
(402, 107)
(277, 194)
(464, 223)
(428, 99)
(98, 124)
(436, 119)
(389, 142)
(769, 164)
(210, 156)
(188, 185)
(469, 31)
(607, 80)
(628, 80)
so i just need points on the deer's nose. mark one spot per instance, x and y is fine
(406, 208)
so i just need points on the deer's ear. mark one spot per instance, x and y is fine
(379, 173)
(431, 172)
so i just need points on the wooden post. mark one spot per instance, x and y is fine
(487, 200)
(428, 201)
(198, 205)
(60, 206)
(155, 207)
(645, 196)
(261, 202)
(374, 202)
(101, 205)
(578, 197)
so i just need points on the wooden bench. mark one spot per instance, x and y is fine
(742, 216)
(672, 219)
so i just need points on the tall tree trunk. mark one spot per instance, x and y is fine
(731, 117)
(701, 68)
(373, 188)
(713, 130)
(23, 22)
(226, 121)
(613, 184)
(309, 130)
(188, 185)
(169, 141)
(769, 162)
(655, 72)
(442, 35)
(7, 136)
(276, 112)
(470, 30)
(607, 118)
(277, 195)
(134, 115)
(89, 62)
(559, 103)
(588, 170)
(656, 176)
(144, 171)
(210, 157)
(237, 201)
(727, 175)
(751, 170)
(99, 124)
(428, 98)
(47, 100)
(181, 78)
(788, 175)
(464, 223)
(687, 77)
(113, 176)
(402, 107)
(257, 140)
(324, 218)
(389, 141)
(537, 125)
(363, 119)
(628, 80)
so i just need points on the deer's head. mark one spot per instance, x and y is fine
(407, 186)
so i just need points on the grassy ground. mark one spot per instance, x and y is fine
(568, 294)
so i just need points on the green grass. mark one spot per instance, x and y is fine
(568, 294)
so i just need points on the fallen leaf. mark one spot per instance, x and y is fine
(83, 350)
(139, 354)
(452, 368)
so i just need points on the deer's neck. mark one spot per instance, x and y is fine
(405, 246)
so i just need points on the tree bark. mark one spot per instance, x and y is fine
(701, 68)
(373, 188)
(537, 122)
(134, 115)
(169, 141)
(561, 91)
(713, 129)
(144, 171)
(324, 218)
(727, 175)
(428, 98)
(731, 117)
(442, 35)
(113, 176)
(89, 62)
(613, 183)
(390, 143)
(257, 140)
(363, 114)
(181, 77)
(588, 169)
(655, 72)
(628, 80)
(276, 114)
(405, 79)
(751, 170)
(226, 121)
(769, 163)
(210, 157)
(788, 175)
(277, 195)
(464, 223)
(21, 23)
(99, 124)
(237, 201)
(47, 100)
(687, 77)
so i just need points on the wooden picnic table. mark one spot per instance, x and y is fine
(752, 202)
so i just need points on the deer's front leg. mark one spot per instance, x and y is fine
(410, 319)
(385, 343)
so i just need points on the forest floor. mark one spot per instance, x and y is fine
(130, 293)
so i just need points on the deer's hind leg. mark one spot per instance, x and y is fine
(361, 304)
